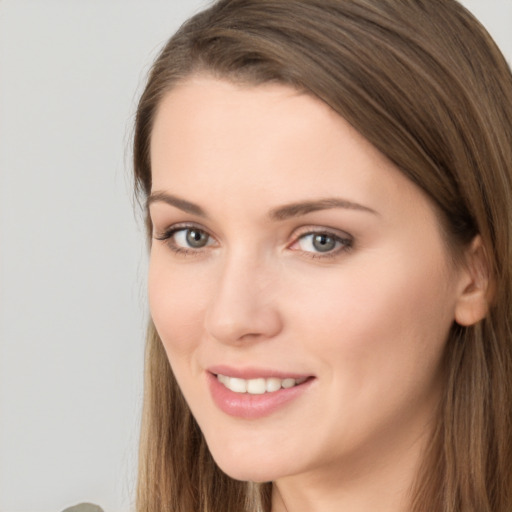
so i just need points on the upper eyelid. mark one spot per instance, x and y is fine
(178, 226)
(337, 233)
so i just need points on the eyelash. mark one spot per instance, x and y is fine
(345, 243)
(168, 234)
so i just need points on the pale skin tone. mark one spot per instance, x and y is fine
(354, 288)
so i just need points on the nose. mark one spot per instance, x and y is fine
(244, 305)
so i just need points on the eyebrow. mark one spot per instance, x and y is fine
(304, 207)
(177, 202)
(279, 213)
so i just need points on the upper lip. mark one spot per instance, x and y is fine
(255, 372)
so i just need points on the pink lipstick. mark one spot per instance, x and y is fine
(254, 393)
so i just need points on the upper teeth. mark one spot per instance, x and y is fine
(257, 386)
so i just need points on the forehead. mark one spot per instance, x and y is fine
(215, 130)
(230, 113)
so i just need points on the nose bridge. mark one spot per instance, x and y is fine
(243, 304)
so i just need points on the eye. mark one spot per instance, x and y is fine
(191, 238)
(322, 243)
(186, 239)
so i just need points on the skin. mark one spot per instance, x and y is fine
(368, 320)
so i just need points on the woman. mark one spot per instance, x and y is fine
(328, 191)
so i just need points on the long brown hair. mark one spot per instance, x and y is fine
(426, 85)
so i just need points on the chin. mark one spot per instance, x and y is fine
(249, 474)
(259, 469)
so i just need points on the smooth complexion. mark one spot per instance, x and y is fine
(284, 244)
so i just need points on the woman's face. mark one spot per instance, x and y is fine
(299, 282)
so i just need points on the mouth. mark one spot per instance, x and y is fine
(253, 394)
(260, 385)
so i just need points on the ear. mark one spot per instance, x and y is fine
(475, 287)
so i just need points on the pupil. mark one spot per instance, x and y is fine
(196, 238)
(323, 243)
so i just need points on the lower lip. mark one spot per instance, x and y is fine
(247, 406)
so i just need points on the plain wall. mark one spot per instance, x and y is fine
(72, 256)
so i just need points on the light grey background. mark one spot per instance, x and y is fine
(72, 257)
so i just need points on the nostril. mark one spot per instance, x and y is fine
(242, 322)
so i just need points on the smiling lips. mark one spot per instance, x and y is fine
(254, 397)
(258, 386)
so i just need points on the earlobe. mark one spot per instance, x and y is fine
(475, 286)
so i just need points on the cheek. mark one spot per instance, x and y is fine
(177, 302)
(377, 337)
(379, 322)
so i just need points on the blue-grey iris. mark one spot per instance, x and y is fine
(323, 242)
(196, 238)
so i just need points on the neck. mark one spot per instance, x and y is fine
(375, 482)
